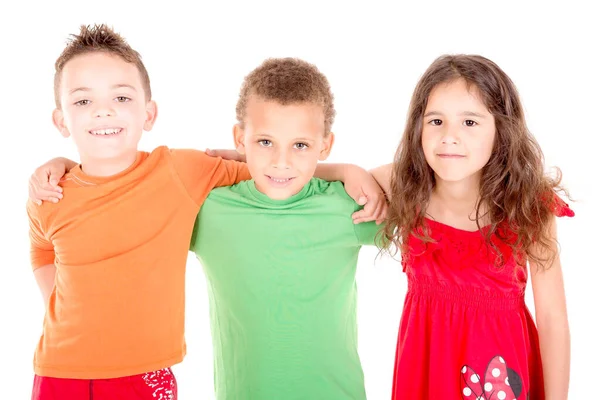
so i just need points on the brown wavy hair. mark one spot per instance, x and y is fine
(516, 194)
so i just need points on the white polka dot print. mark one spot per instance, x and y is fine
(467, 391)
(501, 395)
(496, 372)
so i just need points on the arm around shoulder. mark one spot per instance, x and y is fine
(201, 173)
(383, 176)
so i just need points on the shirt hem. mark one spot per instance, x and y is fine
(89, 373)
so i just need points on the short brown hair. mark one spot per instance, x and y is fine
(287, 81)
(99, 38)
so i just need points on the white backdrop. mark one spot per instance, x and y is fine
(373, 55)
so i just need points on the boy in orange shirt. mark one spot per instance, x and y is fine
(110, 259)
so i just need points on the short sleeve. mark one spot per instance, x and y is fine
(201, 173)
(560, 208)
(41, 249)
(366, 232)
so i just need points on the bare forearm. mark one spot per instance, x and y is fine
(45, 277)
(383, 176)
(333, 172)
(555, 346)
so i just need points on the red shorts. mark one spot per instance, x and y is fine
(157, 385)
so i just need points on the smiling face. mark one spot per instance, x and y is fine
(103, 107)
(458, 132)
(282, 144)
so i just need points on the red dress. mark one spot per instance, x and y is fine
(465, 331)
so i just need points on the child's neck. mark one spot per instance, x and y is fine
(107, 167)
(454, 204)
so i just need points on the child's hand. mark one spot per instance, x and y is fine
(43, 184)
(365, 190)
(226, 154)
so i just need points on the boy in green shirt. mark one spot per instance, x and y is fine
(280, 251)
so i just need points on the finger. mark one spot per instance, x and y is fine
(37, 190)
(361, 220)
(382, 208)
(357, 214)
(34, 180)
(32, 188)
(48, 187)
(362, 200)
(361, 216)
(371, 206)
(47, 199)
(367, 210)
(378, 215)
(377, 212)
(383, 214)
(45, 195)
(55, 175)
(54, 183)
(224, 153)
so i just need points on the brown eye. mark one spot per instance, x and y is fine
(301, 146)
(436, 122)
(264, 143)
(82, 103)
(470, 122)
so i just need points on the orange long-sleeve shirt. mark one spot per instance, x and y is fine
(120, 247)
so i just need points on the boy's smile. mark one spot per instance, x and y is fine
(106, 131)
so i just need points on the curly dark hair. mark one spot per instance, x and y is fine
(287, 81)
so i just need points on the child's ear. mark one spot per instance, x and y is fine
(58, 119)
(151, 114)
(327, 145)
(238, 139)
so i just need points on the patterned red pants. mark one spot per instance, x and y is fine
(157, 385)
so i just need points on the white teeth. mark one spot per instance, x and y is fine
(280, 180)
(110, 131)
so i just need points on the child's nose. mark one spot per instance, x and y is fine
(451, 135)
(104, 110)
(281, 160)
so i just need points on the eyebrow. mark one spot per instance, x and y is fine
(464, 114)
(118, 86)
(267, 136)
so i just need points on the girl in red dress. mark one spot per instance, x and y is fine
(470, 208)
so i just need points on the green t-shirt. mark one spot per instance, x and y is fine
(281, 282)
